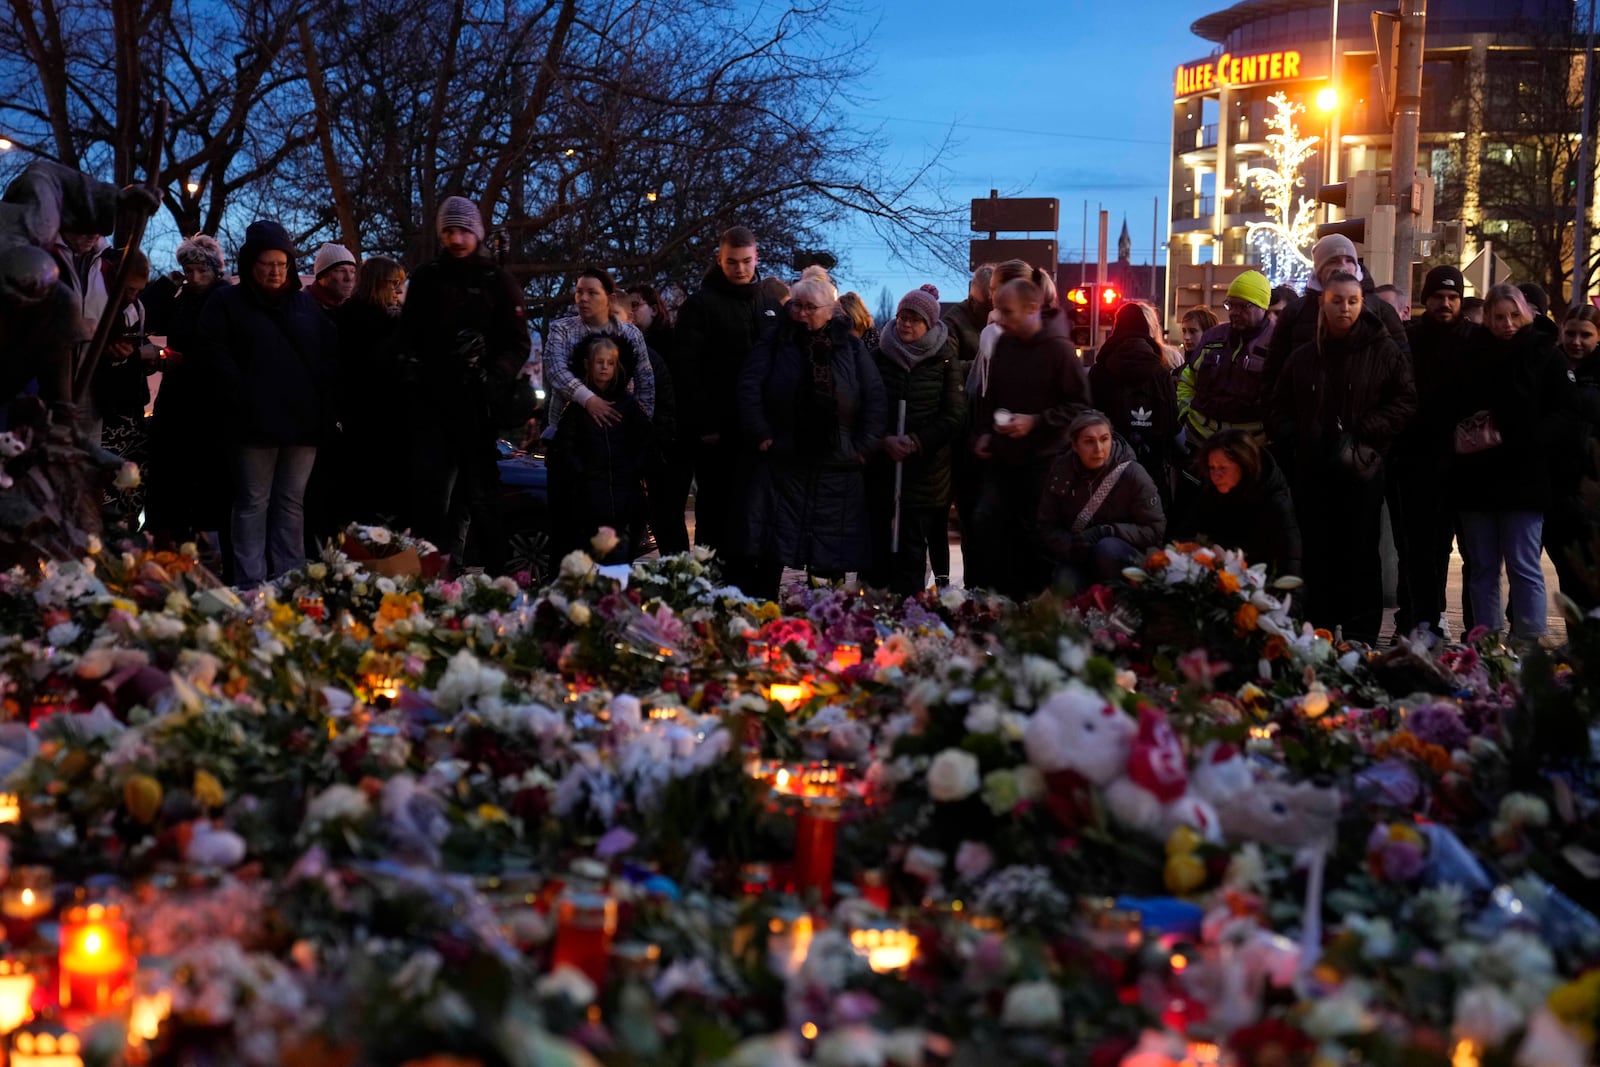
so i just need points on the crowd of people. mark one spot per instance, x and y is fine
(815, 438)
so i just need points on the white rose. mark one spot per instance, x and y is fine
(577, 564)
(317, 571)
(1032, 1006)
(983, 717)
(953, 775)
(1486, 1016)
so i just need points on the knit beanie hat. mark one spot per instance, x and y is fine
(201, 250)
(1252, 286)
(264, 235)
(922, 301)
(1445, 279)
(1537, 298)
(460, 212)
(1335, 244)
(330, 256)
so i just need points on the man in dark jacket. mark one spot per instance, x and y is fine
(1298, 323)
(1417, 488)
(1134, 387)
(1337, 407)
(466, 336)
(717, 328)
(274, 357)
(1036, 388)
(967, 319)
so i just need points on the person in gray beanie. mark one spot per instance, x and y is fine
(335, 274)
(1297, 325)
(464, 337)
(919, 360)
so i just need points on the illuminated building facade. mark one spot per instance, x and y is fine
(1488, 67)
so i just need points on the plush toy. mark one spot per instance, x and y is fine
(1153, 795)
(1078, 730)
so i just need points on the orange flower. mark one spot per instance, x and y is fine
(1228, 581)
(1157, 560)
(1277, 648)
(1187, 547)
(1246, 618)
(1325, 635)
(1206, 558)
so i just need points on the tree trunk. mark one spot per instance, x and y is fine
(50, 65)
(349, 235)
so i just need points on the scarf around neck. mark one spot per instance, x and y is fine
(907, 356)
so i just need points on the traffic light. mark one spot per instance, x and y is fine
(1081, 304)
(1369, 221)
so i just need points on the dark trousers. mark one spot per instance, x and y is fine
(966, 471)
(1340, 519)
(669, 496)
(1570, 541)
(1103, 563)
(454, 488)
(1005, 521)
(1423, 522)
(716, 505)
(905, 571)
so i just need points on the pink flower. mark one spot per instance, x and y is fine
(974, 859)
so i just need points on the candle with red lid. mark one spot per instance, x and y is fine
(96, 967)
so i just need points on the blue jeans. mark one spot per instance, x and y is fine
(1103, 563)
(269, 518)
(1515, 538)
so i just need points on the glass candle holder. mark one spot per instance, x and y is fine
(789, 934)
(29, 896)
(44, 1043)
(887, 947)
(17, 983)
(846, 654)
(816, 836)
(96, 967)
(585, 925)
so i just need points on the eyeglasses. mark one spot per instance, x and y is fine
(908, 317)
(805, 309)
(1237, 305)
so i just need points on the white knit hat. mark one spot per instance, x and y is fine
(330, 256)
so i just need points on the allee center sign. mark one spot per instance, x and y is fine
(1237, 70)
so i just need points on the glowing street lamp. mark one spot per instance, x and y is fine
(6, 145)
(1327, 99)
(192, 186)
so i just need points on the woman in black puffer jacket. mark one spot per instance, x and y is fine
(917, 360)
(1244, 503)
(1132, 383)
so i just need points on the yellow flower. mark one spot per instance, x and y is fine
(1401, 834)
(283, 616)
(1577, 1003)
(128, 606)
(768, 611)
(208, 791)
(492, 813)
(142, 796)
(1182, 841)
(1184, 873)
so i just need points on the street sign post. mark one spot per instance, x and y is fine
(1016, 214)
(1486, 270)
(1037, 252)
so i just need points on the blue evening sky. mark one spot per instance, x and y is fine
(1059, 98)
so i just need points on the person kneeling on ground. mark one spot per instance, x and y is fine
(1244, 503)
(1100, 510)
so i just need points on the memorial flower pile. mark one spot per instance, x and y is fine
(370, 815)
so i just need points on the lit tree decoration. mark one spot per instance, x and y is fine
(1284, 240)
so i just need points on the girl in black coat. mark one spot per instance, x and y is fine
(596, 468)
(1132, 383)
(1244, 503)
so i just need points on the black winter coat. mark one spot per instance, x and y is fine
(936, 415)
(1256, 517)
(1297, 326)
(1437, 353)
(191, 478)
(597, 471)
(1131, 382)
(275, 358)
(1040, 376)
(464, 333)
(1524, 385)
(716, 329)
(1359, 384)
(808, 509)
(966, 321)
(1131, 511)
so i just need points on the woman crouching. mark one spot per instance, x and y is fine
(1100, 511)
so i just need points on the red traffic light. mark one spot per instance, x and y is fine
(1109, 295)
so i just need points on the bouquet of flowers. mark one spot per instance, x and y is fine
(389, 554)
